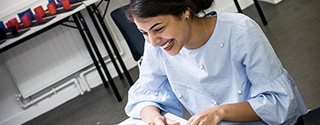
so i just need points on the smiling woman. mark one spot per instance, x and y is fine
(172, 32)
(166, 32)
(221, 67)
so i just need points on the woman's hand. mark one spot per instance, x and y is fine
(151, 115)
(163, 121)
(211, 116)
(236, 112)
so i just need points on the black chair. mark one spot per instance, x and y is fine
(311, 118)
(256, 3)
(130, 33)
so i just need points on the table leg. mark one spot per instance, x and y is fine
(104, 27)
(263, 18)
(237, 6)
(95, 48)
(104, 81)
(105, 43)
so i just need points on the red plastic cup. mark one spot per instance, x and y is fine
(13, 22)
(28, 15)
(39, 10)
(39, 18)
(8, 24)
(53, 2)
(25, 21)
(52, 9)
(66, 5)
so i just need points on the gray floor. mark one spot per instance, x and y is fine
(293, 30)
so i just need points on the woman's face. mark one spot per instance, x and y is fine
(165, 31)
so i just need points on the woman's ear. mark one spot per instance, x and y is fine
(186, 14)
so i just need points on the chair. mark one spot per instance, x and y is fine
(131, 34)
(311, 118)
(256, 3)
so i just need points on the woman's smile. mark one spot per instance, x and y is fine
(168, 45)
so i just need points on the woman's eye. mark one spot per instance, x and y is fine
(159, 29)
(144, 33)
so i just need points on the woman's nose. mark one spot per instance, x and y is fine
(154, 40)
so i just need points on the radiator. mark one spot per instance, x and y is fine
(48, 58)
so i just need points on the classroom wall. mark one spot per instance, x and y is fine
(11, 112)
(8, 104)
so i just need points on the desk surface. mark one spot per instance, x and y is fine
(132, 121)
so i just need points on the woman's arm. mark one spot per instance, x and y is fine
(236, 112)
(239, 112)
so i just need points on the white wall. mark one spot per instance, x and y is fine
(8, 103)
(11, 112)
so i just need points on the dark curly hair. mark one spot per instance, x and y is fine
(152, 8)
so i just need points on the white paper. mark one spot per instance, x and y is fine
(133, 121)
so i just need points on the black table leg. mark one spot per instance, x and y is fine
(238, 6)
(104, 81)
(264, 21)
(104, 27)
(105, 43)
(97, 52)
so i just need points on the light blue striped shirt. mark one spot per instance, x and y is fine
(237, 64)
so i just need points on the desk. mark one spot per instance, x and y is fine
(132, 121)
(86, 36)
(36, 30)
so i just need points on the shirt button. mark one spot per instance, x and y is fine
(201, 67)
(215, 103)
(179, 96)
(239, 92)
(221, 45)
